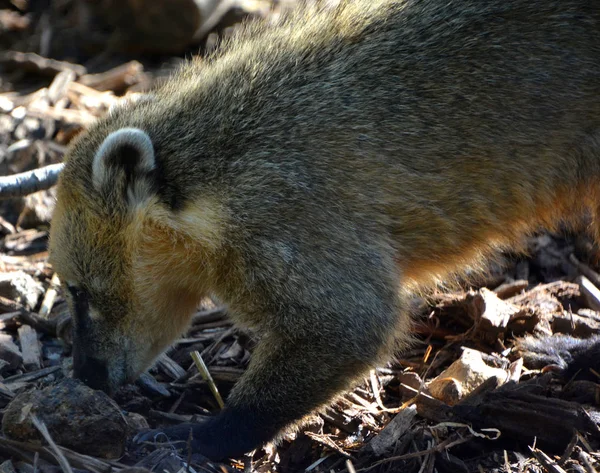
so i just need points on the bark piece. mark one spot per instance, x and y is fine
(30, 348)
(170, 367)
(390, 434)
(491, 313)
(523, 412)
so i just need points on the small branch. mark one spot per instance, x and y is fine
(445, 445)
(585, 460)
(590, 292)
(60, 458)
(25, 183)
(199, 362)
(30, 318)
(548, 463)
(32, 62)
(27, 450)
(117, 79)
(585, 270)
(50, 297)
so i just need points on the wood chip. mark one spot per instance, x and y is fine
(9, 352)
(390, 434)
(169, 367)
(6, 391)
(31, 318)
(30, 348)
(463, 377)
(28, 377)
(491, 313)
(586, 270)
(149, 385)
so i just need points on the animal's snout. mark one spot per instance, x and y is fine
(91, 371)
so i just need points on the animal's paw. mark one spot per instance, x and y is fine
(177, 436)
(182, 437)
(230, 434)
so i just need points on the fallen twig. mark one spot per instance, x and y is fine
(78, 460)
(30, 318)
(42, 65)
(445, 445)
(550, 465)
(199, 362)
(585, 270)
(25, 183)
(60, 458)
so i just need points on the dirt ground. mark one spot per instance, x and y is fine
(467, 397)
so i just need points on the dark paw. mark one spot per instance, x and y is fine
(185, 438)
(230, 434)
(178, 436)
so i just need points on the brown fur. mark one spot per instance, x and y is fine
(312, 168)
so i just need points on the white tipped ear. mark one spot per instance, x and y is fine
(127, 156)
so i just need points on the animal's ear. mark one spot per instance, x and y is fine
(125, 162)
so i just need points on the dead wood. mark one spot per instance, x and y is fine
(548, 463)
(31, 318)
(25, 450)
(392, 432)
(523, 413)
(25, 183)
(30, 348)
(117, 79)
(585, 270)
(32, 62)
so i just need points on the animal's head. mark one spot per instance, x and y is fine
(133, 267)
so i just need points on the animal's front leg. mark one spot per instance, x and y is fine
(287, 378)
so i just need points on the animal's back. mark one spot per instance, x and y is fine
(450, 126)
(440, 129)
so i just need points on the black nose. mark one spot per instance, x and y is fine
(91, 371)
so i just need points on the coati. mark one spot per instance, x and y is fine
(310, 175)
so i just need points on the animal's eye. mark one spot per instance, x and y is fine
(76, 292)
(80, 300)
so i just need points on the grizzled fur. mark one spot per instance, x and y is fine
(312, 173)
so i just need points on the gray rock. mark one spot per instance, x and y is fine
(77, 417)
